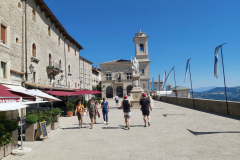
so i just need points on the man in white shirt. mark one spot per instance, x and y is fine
(116, 99)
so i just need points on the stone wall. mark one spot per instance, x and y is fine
(213, 106)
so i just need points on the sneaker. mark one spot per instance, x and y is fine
(104, 122)
(79, 127)
(107, 123)
(148, 123)
(145, 125)
(128, 127)
(91, 127)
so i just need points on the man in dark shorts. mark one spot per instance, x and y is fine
(79, 111)
(92, 110)
(126, 111)
(145, 105)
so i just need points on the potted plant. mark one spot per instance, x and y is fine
(2, 130)
(55, 115)
(11, 127)
(31, 126)
(7, 141)
(69, 108)
(49, 119)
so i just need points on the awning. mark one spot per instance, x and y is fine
(7, 96)
(62, 93)
(11, 106)
(36, 93)
(47, 87)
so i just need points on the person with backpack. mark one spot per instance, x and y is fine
(126, 111)
(92, 109)
(78, 112)
(145, 105)
(105, 110)
(116, 99)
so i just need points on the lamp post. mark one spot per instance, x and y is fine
(31, 68)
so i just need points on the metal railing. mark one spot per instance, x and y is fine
(54, 65)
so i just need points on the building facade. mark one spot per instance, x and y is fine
(31, 36)
(116, 76)
(85, 73)
(96, 76)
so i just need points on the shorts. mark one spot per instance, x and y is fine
(127, 114)
(116, 101)
(79, 116)
(92, 114)
(146, 112)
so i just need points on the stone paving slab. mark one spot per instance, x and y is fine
(175, 133)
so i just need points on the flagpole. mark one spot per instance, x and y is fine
(175, 86)
(191, 84)
(224, 82)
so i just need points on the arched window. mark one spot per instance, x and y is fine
(68, 48)
(141, 47)
(34, 50)
(69, 69)
(60, 64)
(19, 6)
(50, 60)
(34, 15)
(49, 31)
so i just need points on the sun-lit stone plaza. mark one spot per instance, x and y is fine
(175, 133)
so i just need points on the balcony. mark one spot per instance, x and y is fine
(54, 69)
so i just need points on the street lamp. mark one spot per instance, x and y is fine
(31, 68)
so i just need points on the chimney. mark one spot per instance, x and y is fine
(96, 68)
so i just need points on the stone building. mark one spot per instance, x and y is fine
(181, 91)
(31, 36)
(85, 73)
(96, 76)
(116, 75)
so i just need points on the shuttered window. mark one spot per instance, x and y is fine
(34, 50)
(3, 33)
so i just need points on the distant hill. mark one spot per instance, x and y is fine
(202, 89)
(218, 93)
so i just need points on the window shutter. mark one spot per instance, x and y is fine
(3, 34)
(32, 50)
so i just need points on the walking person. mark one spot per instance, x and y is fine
(78, 112)
(92, 109)
(116, 99)
(96, 112)
(126, 111)
(105, 110)
(145, 105)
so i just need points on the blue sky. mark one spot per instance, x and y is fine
(177, 30)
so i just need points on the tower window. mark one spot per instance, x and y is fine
(69, 69)
(58, 40)
(34, 50)
(34, 15)
(141, 47)
(143, 71)
(50, 60)
(68, 48)
(49, 31)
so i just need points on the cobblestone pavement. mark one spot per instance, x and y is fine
(175, 133)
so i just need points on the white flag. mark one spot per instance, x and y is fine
(216, 60)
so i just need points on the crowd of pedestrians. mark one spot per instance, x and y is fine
(92, 110)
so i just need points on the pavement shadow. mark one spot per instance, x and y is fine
(165, 115)
(112, 128)
(204, 133)
(70, 128)
(131, 126)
